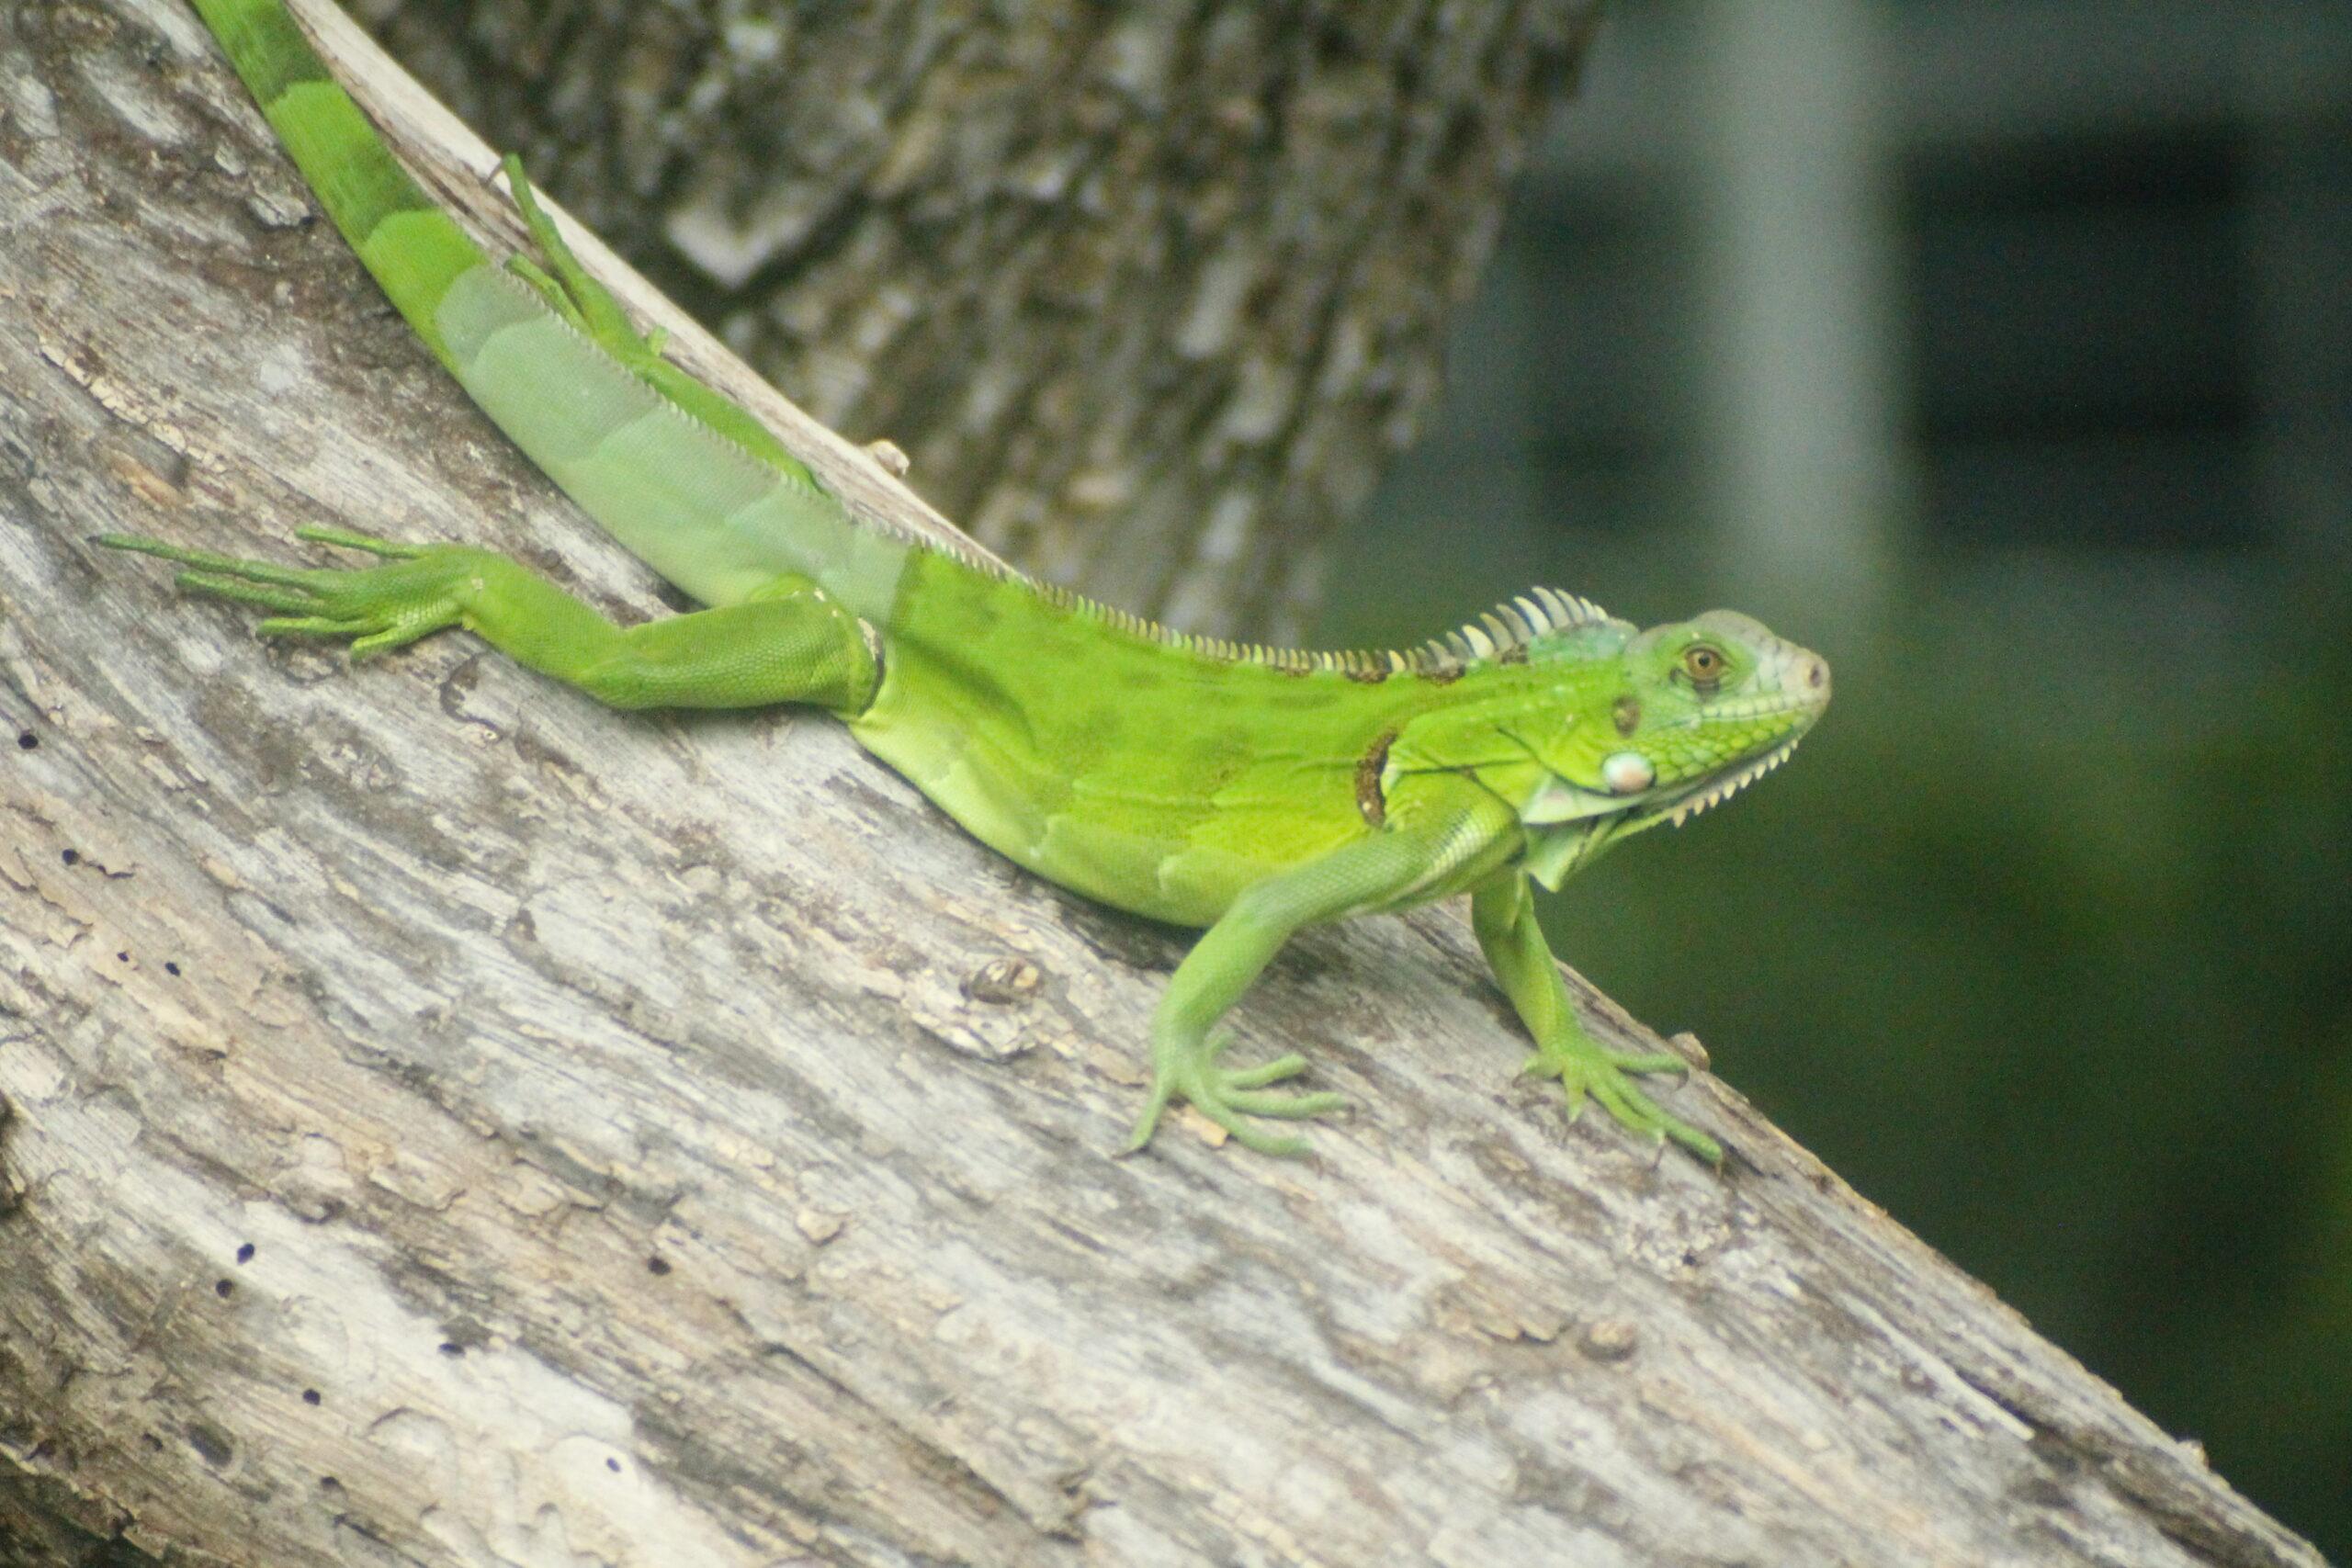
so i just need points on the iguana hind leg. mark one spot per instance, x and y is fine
(590, 307)
(789, 642)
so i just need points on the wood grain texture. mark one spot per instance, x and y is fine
(451, 1123)
(1151, 293)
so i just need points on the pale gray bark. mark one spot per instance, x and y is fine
(1149, 293)
(452, 1123)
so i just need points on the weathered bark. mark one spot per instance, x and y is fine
(452, 1123)
(1149, 293)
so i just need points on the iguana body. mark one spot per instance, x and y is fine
(1250, 791)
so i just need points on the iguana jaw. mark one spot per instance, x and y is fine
(1566, 827)
(1676, 808)
(1556, 800)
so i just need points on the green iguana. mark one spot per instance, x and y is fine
(1252, 791)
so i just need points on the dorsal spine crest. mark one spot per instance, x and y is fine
(1501, 634)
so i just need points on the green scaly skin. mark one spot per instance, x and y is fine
(1249, 791)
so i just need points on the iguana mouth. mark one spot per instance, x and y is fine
(1558, 847)
(1720, 788)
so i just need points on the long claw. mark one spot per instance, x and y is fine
(221, 586)
(1698, 1142)
(309, 626)
(206, 561)
(1663, 1062)
(1285, 1107)
(1146, 1123)
(547, 289)
(1275, 1071)
(352, 539)
(526, 202)
(399, 636)
(1266, 1142)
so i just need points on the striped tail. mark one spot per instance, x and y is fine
(415, 249)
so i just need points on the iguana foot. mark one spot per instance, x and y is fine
(1189, 1071)
(423, 589)
(565, 284)
(559, 277)
(1584, 1067)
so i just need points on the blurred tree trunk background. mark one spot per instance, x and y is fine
(1152, 332)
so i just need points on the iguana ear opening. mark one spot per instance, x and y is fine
(1627, 773)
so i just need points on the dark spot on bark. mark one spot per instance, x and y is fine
(1375, 761)
(310, 1396)
(245, 1252)
(123, 957)
(1003, 981)
(461, 1334)
(1611, 1339)
(172, 970)
(27, 740)
(656, 1266)
(614, 1465)
(1628, 715)
(223, 1289)
(209, 1442)
(2050, 1449)
(328, 1483)
(2044, 1493)
(153, 1444)
(71, 857)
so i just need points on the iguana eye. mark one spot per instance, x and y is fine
(1704, 662)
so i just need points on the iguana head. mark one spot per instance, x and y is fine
(1593, 731)
(1699, 710)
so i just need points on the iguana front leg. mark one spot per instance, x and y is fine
(1420, 854)
(1502, 912)
(787, 643)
